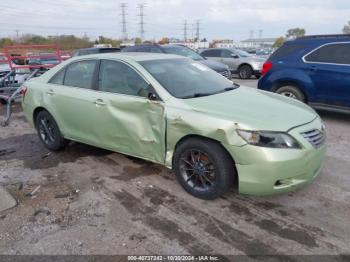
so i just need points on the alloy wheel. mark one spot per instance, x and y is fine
(198, 170)
(46, 131)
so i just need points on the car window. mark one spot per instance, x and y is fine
(226, 53)
(154, 49)
(58, 77)
(117, 77)
(80, 74)
(333, 53)
(286, 50)
(211, 53)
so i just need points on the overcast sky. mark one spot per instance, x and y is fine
(229, 19)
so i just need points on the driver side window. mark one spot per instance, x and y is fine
(117, 77)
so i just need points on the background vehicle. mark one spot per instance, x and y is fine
(312, 69)
(176, 112)
(182, 51)
(96, 50)
(237, 60)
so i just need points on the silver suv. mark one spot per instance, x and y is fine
(239, 61)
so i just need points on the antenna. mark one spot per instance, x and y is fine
(142, 22)
(123, 6)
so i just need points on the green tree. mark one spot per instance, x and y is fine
(5, 42)
(279, 42)
(163, 41)
(138, 41)
(295, 33)
(346, 28)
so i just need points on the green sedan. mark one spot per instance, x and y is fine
(176, 112)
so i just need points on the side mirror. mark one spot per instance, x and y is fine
(234, 56)
(152, 96)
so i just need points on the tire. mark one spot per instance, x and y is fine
(245, 72)
(292, 92)
(203, 168)
(3, 101)
(48, 131)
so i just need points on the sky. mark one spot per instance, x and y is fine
(219, 19)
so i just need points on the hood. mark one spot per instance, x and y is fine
(253, 109)
(216, 66)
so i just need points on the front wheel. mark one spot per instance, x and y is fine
(48, 131)
(203, 168)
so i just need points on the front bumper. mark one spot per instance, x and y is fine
(267, 171)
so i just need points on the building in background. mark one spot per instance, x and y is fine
(225, 43)
(255, 43)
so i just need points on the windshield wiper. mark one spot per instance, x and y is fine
(198, 95)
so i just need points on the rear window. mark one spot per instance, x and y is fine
(80, 74)
(286, 50)
(331, 53)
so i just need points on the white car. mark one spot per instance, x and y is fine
(238, 61)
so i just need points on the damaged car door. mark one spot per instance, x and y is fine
(131, 116)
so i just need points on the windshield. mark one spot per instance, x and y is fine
(182, 51)
(242, 53)
(184, 78)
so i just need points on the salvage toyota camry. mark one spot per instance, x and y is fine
(179, 113)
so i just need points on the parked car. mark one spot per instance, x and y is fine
(313, 69)
(182, 51)
(176, 112)
(239, 62)
(96, 50)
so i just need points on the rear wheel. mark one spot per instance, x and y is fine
(292, 92)
(48, 131)
(203, 168)
(245, 72)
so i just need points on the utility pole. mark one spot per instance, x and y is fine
(197, 30)
(123, 6)
(185, 31)
(142, 22)
(17, 35)
(251, 34)
(260, 33)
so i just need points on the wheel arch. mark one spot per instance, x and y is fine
(287, 82)
(191, 136)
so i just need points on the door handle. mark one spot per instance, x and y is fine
(99, 102)
(313, 68)
(50, 92)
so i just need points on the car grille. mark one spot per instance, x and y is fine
(315, 137)
(225, 73)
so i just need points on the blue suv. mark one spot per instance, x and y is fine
(312, 69)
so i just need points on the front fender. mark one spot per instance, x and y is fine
(182, 123)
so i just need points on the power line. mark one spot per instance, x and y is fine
(123, 6)
(142, 22)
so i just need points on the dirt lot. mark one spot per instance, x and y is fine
(92, 201)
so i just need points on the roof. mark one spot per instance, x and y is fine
(259, 40)
(136, 56)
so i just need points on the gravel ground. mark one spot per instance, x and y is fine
(92, 201)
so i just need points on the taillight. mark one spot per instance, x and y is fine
(23, 91)
(266, 67)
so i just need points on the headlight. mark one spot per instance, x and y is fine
(268, 139)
